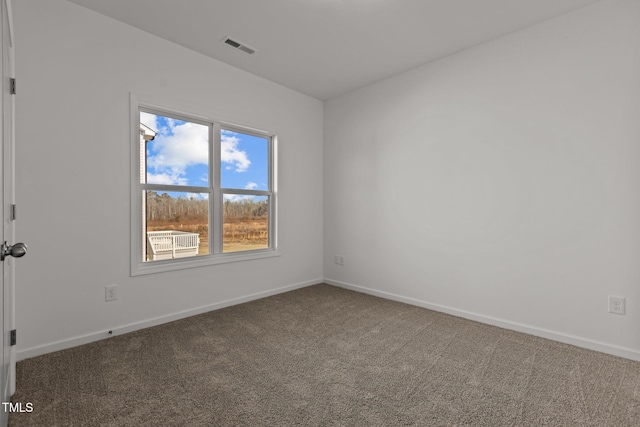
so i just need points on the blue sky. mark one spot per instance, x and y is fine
(179, 156)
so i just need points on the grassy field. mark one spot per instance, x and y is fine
(243, 234)
(240, 234)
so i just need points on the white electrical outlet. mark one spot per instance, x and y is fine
(338, 259)
(111, 292)
(617, 305)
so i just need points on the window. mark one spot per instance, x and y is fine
(202, 192)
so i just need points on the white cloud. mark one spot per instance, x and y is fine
(165, 179)
(251, 186)
(179, 145)
(176, 147)
(237, 197)
(231, 155)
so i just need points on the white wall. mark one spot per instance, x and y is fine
(500, 183)
(75, 70)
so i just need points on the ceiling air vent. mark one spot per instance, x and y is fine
(238, 45)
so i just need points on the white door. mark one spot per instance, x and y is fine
(7, 351)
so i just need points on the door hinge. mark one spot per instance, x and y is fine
(12, 86)
(12, 213)
(13, 337)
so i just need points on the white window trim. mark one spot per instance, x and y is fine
(140, 267)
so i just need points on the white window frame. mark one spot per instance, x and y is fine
(216, 194)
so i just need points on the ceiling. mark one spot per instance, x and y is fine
(325, 48)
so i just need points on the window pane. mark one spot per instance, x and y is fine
(245, 223)
(176, 225)
(244, 161)
(173, 152)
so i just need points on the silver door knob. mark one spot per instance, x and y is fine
(16, 251)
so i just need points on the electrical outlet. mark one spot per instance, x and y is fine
(338, 259)
(617, 305)
(111, 292)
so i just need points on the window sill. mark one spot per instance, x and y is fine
(142, 268)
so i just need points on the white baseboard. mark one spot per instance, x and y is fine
(531, 330)
(627, 353)
(96, 336)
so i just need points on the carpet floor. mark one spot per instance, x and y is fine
(325, 356)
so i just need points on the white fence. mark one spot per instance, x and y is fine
(170, 244)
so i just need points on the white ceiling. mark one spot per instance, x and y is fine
(328, 47)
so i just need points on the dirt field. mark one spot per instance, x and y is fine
(239, 234)
(245, 234)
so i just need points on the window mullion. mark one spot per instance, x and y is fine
(174, 188)
(247, 192)
(272, 191)
(215, 217)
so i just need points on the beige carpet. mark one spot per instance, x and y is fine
(324, 356)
